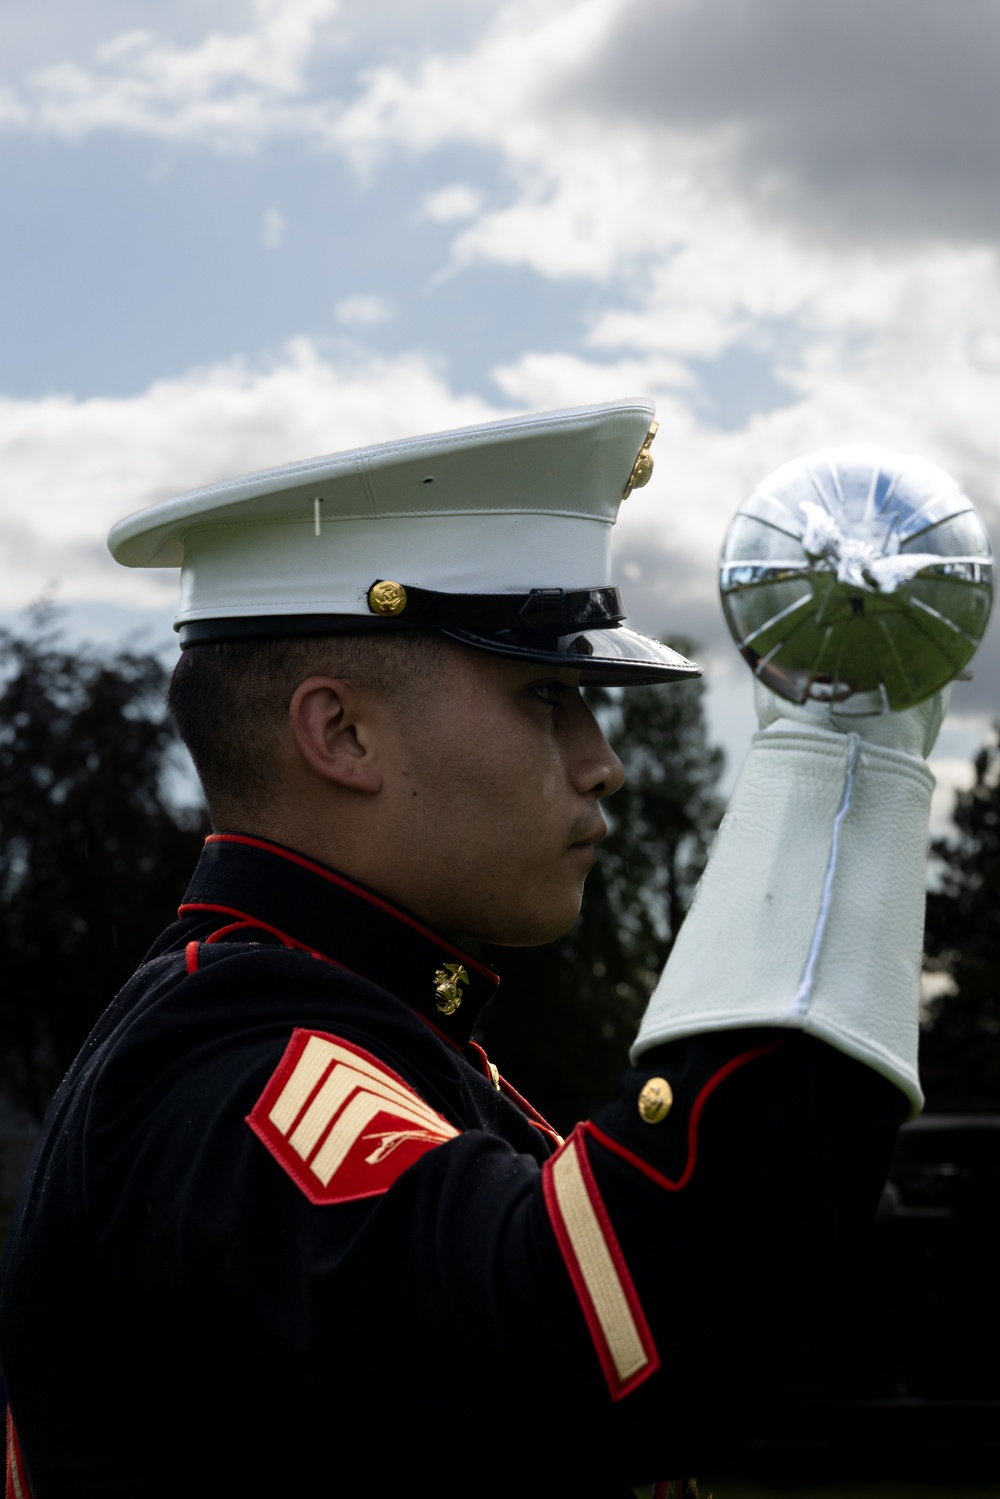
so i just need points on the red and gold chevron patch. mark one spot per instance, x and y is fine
(340, 1122)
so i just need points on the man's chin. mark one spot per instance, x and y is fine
(533, 931)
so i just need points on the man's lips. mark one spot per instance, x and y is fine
(589, 835)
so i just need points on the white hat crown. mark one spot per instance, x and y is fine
(510, 507)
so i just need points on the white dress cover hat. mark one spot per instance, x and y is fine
(496, 535)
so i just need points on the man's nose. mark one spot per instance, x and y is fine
(613, 776)
(599, 771)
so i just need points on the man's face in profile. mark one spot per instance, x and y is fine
(496, 774)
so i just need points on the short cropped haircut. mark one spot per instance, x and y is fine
(230, 702)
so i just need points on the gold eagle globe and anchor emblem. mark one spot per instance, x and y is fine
(642, 468)
(447, 987)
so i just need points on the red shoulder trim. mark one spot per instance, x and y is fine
(359, 890)
(618, 1328)
(17, 1485)
(694, 1120)
(340, 1122)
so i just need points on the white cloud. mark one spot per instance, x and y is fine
(71, 468)
(235, 90)
(895, 344)
(230, 90)
(873, 120)
(273, 229)
(362, 311)
(448, 204)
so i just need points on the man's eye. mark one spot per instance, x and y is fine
(552, 693)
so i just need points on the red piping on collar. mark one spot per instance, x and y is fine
(247, 922)
(373, 900)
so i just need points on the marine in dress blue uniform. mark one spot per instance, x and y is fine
(287, 1229)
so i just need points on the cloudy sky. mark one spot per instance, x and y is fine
(241, 232)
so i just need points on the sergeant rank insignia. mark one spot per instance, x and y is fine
(340, 1122)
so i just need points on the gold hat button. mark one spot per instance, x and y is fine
(387, 599)
(655, 1100)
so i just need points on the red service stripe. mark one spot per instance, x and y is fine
(616, 1387)
(17, 1485)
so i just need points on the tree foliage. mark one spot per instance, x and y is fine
(567, 1013)
(93, 857)
(960, 1050)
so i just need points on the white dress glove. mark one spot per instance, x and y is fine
(810, 912)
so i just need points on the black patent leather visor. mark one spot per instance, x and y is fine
(610, 657)
(579, 628)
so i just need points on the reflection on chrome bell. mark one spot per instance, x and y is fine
(858, 575)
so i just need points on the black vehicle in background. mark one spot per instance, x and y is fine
(905, 1382)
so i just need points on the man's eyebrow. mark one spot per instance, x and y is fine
(552, 679)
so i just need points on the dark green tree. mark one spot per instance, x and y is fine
(93, 855)
(567, 1013)
(960, 1049)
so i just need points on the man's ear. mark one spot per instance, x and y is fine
(334, 734)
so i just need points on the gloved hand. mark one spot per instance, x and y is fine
(913, 732)
(810, 912)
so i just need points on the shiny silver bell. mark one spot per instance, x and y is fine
(857, 575)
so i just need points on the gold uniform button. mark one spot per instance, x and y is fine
(495, 1076)
(387, 599)
(656, 1100)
